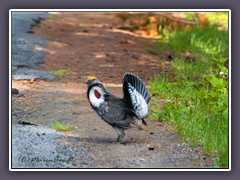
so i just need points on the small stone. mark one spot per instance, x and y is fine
(15, 91)
(150, 148)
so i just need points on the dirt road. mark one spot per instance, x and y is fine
(86, 44)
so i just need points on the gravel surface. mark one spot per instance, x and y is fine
(39, 147)
(27, 48)
(32, 74)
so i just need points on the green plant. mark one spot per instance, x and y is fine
(60, 73)
(191, 15)
(195, 100)
(61, 126)
(218, 18)
(196, 105)
(206, 41)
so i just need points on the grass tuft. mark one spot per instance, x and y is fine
(61, 126)
(60, 73)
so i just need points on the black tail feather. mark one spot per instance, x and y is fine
(137, 83)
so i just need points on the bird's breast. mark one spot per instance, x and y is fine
(96, 96)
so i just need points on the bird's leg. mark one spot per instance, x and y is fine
(121, 134)
(144, 126)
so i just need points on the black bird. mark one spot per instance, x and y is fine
(120, 113)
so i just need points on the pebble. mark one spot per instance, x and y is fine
(15, 91)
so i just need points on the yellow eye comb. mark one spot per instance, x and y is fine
(91, 78)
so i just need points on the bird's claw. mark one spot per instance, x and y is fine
(120, 139)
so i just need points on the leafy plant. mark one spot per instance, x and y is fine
(195, 101)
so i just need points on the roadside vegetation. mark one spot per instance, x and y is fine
(59, 73)
(61, 126)
(195, 100)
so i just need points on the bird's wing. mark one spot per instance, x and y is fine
(136, 95)
(114, 113)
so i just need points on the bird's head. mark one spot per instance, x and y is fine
(96, 91)
(91, 80)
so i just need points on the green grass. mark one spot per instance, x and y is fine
(207, 41)
(197, 107)
(195, 102)
(59, 73)
(61, 126)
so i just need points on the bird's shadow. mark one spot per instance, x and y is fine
(104, 140)
(101, 140)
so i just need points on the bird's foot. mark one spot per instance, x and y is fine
(120, 139)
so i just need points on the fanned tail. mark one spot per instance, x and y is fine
(136, 95)
(137, 83)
